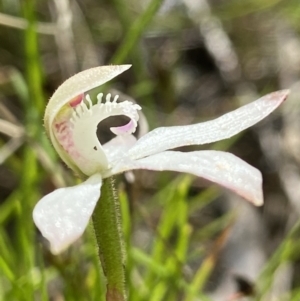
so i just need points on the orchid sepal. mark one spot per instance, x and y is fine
(63, 214)
(224, 127)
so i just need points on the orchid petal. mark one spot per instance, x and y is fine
(63, 215)
(224, 127)
(219, 167)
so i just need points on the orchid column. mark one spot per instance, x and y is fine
(71, 121)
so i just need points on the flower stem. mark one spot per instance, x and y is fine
(107, 225)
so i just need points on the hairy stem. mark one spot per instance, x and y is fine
(109, 237)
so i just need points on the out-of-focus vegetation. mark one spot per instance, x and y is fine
(192, 60)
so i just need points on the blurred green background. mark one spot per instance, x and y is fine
(193, 60)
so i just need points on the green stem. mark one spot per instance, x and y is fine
(107, 226)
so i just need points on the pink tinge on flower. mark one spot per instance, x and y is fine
(63, 128)
(76, 100)
(64, 134)
(124, 129)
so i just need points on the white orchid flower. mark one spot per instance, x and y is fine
(71, 122)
